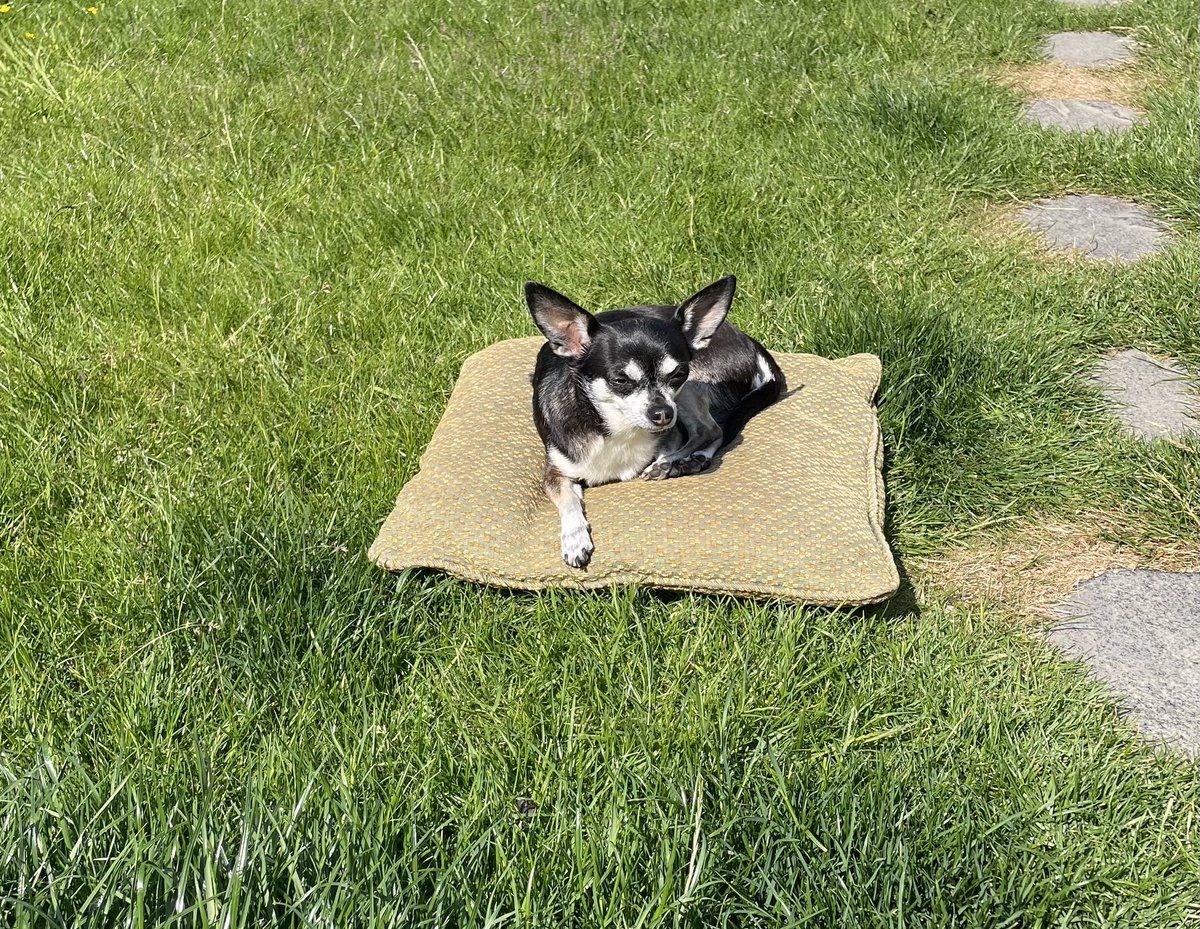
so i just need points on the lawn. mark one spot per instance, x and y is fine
(244, 249)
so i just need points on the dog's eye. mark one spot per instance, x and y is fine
(619, 380)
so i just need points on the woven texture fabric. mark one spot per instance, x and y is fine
(792, 510)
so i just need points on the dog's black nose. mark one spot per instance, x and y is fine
(660, 415)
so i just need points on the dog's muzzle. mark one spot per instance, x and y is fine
(661, 416)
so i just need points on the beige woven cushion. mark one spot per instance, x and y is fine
(794, 510)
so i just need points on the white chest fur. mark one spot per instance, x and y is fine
(617, 457)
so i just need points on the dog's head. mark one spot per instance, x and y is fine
(632, 366)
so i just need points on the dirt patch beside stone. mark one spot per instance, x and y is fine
(997, 223)
(1028, 569)
(1059, 82)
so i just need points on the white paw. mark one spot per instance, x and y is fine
(658, 469)
(577, 545)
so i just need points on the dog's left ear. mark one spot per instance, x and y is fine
(702, 313)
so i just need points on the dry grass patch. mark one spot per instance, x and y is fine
(997, 224)
(1027, 570)
(1060, 82)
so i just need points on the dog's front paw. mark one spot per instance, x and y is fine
(692, 464)
(658, 470)
(577, 546)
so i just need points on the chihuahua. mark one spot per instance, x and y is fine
(649, 391)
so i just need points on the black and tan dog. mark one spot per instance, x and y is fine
(645, 391)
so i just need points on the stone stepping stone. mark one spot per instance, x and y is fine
(1153, 398)
(1099, 227)
(1081, 115)
(1139, 631)
(1089, 49)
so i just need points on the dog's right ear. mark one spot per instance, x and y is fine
(568, 328)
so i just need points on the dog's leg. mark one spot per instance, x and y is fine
(575, 535)
(703, 439)
(697, 461)
(694, 456)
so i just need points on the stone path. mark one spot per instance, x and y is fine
(1099, 227)
(1140, 632)
(1089, 224)
(1081, 115)
(1089, 49)
(1152, 398)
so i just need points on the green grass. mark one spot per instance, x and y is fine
(242, 255)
